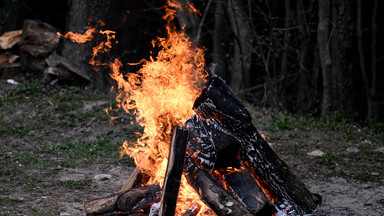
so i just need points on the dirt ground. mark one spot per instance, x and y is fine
(59, 149)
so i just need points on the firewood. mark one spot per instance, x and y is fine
(174, 171)
(241, 183)
(10, 39)
(64, 70)
(132, 181)
(218, 103)
(102, 206)
(38, 41)
(139, 198)
(211, 146)
(129, 202)
(212, 193)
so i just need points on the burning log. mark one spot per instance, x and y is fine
(211, 146)
(139, 199)
(102, 206)
(131, 201)
(217, 103)
(241, 183)
(174, 170)
(212, 193)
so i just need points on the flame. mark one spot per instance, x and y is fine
(161, 95)
(79, 38)
(102, 47)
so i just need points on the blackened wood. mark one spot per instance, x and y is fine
(210, 145)
(247, 190)
(128, 202)
(212, 193)
(219, 104)
(174, 171)
(139, 198)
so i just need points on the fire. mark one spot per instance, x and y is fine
(161, 94)
(80, 38)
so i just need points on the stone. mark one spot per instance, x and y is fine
(316, 153)
(102, 177)
(353, 150)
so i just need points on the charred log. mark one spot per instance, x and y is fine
(217, 103)
(102, 206)
(174, 171)
(130, 202)
(210, 145)
(139, 199)
(212, 193)
(247, 190)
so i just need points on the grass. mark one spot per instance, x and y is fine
(5, 200)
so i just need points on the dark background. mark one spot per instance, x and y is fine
(311, 57)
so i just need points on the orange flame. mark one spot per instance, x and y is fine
(161, 94)
(102, 47)
(79, 38)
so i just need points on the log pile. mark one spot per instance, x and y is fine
(33, 50)
(226, 161)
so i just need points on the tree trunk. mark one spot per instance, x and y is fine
(241, 62)
(363, 70)
(325, 56)
(219, 40)
(375, 102)
(79, 15)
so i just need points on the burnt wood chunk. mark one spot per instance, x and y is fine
(217, 103)
(247, 190)
(210, 145)
(174, 171)
(212, 193)
(138, 199)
